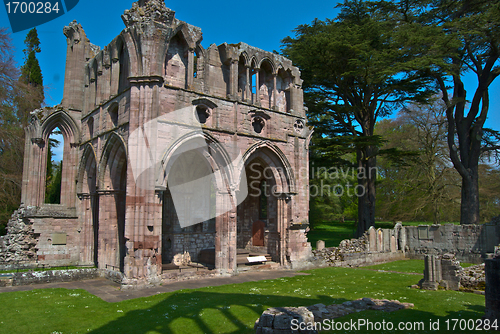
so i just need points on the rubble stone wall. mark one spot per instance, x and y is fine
(18, 245)
(468, 242)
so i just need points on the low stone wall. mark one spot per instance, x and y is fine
(469, 243)
(367, 250)
(49, 276)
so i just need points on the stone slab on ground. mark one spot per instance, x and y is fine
(279, 319)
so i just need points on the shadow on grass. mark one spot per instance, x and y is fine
(211, 312)
(203, 312)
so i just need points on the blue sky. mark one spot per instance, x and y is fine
(258, 23)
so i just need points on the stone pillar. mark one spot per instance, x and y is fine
(233, 79)
(492, 292)
(33, 166)
(275, 93)
(115, 76)
(78, 50)
(190, 69)
(282, 227)
(450, 269)
(232, 233)
(432, 273)
(248, 89)
(256, 98)
(225, 236)
(106, 64)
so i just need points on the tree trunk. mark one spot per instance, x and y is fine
(367, 175)
(469, 209)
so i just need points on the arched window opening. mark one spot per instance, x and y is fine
(283, 82)
(53, 180)
(202, 113)
(176, 62)
(266, 85)
(242, 79)
(195, 65)
(264, 192)
(91, 127)
(253, 82)
(124, 69)
(113, 114)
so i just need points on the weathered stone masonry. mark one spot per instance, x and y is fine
(242, 96)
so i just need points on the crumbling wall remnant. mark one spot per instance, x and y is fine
(19, 244)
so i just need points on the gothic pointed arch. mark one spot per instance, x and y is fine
(64, 121)
(87, 171)
(276, 159)
(112, 185)
(113, 160)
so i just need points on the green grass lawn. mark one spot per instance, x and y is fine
(404, 266)
(407, 266)
(233, 308)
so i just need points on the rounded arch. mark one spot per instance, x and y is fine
(112, 163)
(276, 160)
(267, 60)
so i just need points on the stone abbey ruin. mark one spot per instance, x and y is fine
(242, 129)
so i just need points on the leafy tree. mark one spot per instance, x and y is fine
(489, 192)
(53, 190)
(464, 38)
(427, 186)
(17, 99)
(355, 71)
(31, 72)
(53, 172)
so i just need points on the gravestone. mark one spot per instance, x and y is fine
(372, 239)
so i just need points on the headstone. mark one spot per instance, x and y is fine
(387, 240)
(402, 239)
(372, 239)
(393, 244)
(320, 245)
(379, 240)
